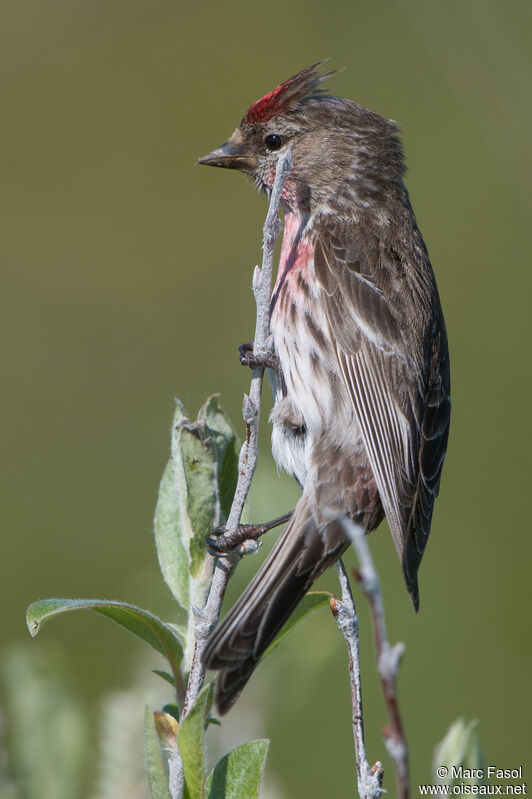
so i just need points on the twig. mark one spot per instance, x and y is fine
(262, 278)
(388, 657)
(207, 617)
(369, 779)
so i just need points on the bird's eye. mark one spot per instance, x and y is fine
(273, 141)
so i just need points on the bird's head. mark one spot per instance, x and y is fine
(342, 153)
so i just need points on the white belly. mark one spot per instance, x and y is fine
(304, 402)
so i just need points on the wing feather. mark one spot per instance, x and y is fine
(385, 319)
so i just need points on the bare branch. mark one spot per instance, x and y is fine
(369, 779)
(207, 617)
(388, 657)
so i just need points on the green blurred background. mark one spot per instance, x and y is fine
(126, 275)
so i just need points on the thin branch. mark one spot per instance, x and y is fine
(207, 617)
(388, 657)
(369, 779)
(176, 778)
(262, 279)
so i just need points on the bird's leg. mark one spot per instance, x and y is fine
(220, 544)
(247, 358)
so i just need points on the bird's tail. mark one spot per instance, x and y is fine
(301, 554)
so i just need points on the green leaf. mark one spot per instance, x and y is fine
(209, 449)
(239, 773)
(228, 477)
(199, 465)
(190, 741)
(218, 421)
(226, 449)
(460, 749)
(172, 525)
(172, 709)
(195, 495)
(312, 601)
(170, 538)
(139, 622)
(179, 630)
(154, 762)
(164, 676)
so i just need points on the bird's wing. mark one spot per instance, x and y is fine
(389, 336)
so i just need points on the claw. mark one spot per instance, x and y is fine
(245, 537)
(248, 358)
(245, 348)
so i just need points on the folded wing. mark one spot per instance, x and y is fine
(389, 336)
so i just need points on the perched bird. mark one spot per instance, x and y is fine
(362, 407)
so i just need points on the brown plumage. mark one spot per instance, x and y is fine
(362, 406)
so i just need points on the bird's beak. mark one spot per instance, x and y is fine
(230, 155)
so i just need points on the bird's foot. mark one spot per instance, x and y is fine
(247, 357)
(220, 543)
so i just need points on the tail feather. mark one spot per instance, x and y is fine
(300, 556)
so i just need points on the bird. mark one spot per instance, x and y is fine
(362, 388)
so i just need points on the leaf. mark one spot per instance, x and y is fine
(209, 449)
(217, 420)
(199, 465)
(172, 709)
(179, 630)
(190, 741)
(166, 726)
(139, 622)
(460, 748)
(195, 495)
(172, 549)
(227, 451)
(154, 762)
(228, 478)
(312, 601)
(164, 676)
(239, 773)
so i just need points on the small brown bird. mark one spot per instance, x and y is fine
(362, 407)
